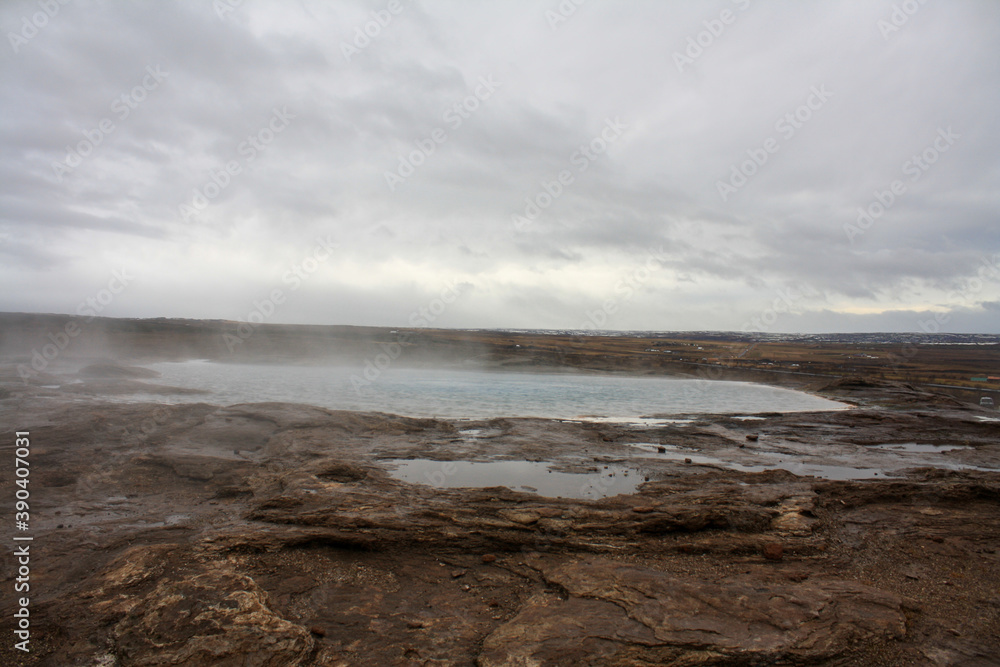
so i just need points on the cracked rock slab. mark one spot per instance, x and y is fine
(616, 613)
(197, 615)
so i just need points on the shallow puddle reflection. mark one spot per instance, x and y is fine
(528, 476)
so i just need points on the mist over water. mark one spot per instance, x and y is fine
(456, 394)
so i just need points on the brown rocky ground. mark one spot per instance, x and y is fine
(273, 534)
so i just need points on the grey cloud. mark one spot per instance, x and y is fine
(655, 186)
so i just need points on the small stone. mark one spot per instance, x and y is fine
(643, 509)
(774, 551)
(661, 449)
(466, 587)
(489, 558)
(414, 624)
(523, 517)
(455, 574)
(687, 460)
(318, 631)
(753, 437)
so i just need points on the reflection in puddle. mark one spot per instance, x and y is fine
(920, 449)
(795, 467)
(528, 476)
(636, 422)
(890, 459)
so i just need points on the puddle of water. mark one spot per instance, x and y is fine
(915, 448)
(637, 422)
(795, 467)
(787, 461)
(964, 466)
(527, 476)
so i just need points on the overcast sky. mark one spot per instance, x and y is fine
(615, 165)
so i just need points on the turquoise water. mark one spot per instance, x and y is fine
(456, 394)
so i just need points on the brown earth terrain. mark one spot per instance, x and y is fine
(276, 534)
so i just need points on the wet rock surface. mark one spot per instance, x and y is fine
(620, 613)
(275, 534)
